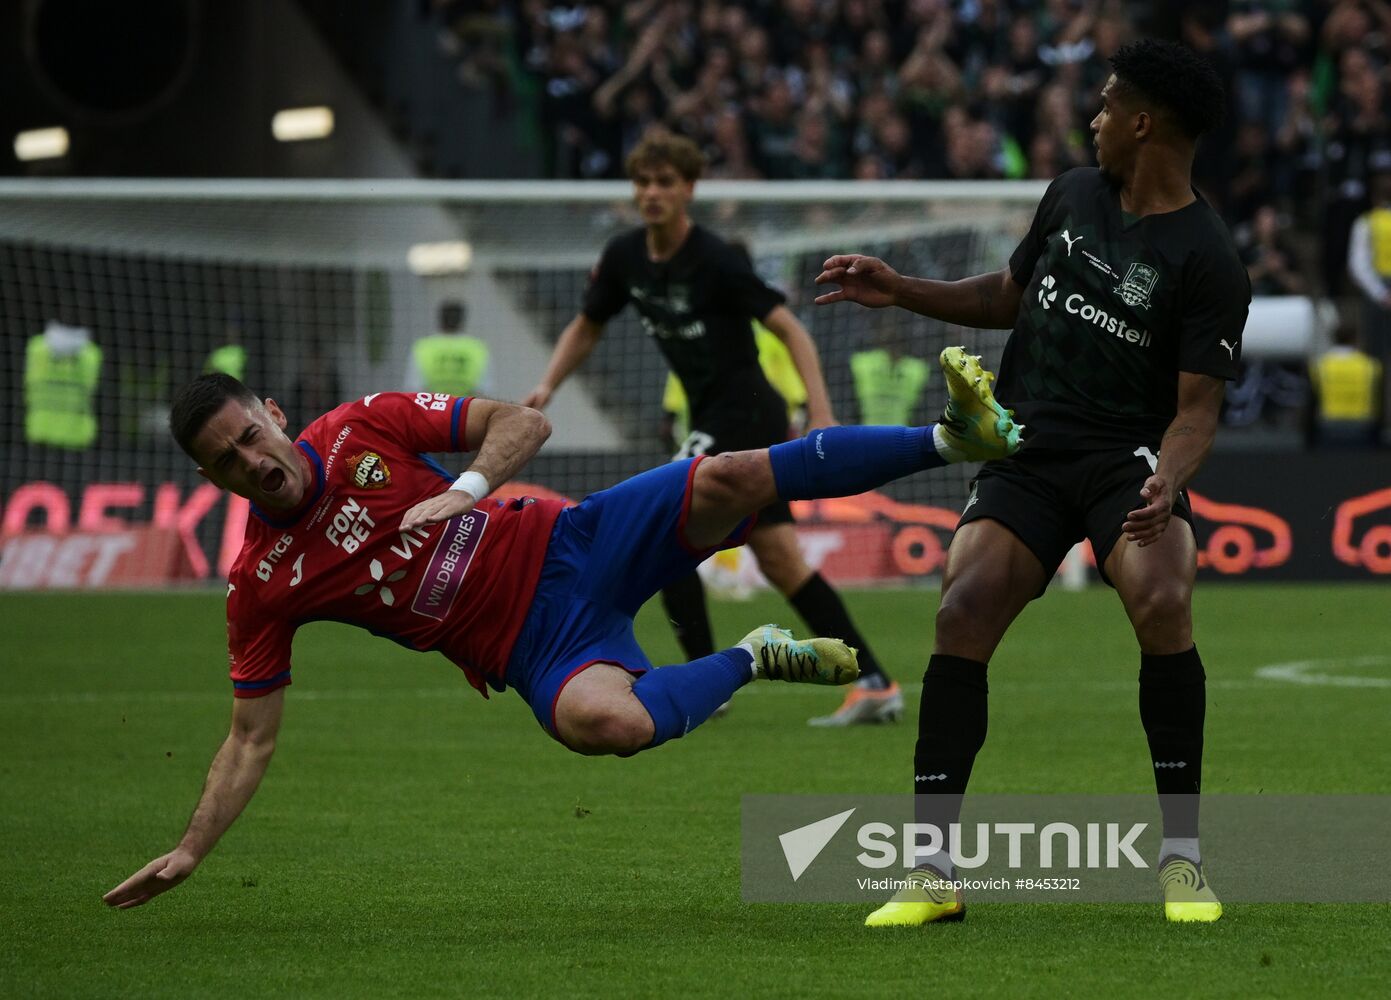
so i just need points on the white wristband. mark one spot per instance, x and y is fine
(472, 483)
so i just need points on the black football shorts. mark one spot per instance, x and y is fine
(1054, 499)
(763, 431)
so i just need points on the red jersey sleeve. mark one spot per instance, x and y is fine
(419, 421)
(258, 647)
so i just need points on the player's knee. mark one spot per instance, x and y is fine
(964, 612)
(607, 728)
(1162, 608)
(721, 481)
(736, 481)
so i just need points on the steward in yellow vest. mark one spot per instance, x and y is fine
(449, 361)
(1348, 385)
(61, 370)
(230, 359)
(888, 388)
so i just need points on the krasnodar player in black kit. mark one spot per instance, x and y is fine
(1127, 301)
(696, 295)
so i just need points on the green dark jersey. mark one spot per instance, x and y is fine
(1114, 307)
(699, 307)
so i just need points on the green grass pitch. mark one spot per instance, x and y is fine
(413, 840)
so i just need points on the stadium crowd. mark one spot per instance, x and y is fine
(966, 89)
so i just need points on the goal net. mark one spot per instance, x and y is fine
(114, 293)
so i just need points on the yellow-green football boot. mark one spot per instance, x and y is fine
(975, 426)
(779, 657)
(1187, 896)
(929, 896)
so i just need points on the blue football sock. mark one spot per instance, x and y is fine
(682, 696)
(844, 461)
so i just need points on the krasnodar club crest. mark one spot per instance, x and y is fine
(1136, 286)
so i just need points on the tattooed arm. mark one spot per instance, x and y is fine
(1181, 453)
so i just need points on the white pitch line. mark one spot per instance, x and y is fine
(358, 694)
(1301, 672)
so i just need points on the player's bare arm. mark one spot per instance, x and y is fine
(985, 301)
(789, 329)
(576, 343)
(235, 773)
(505, 436)
(1181, 453)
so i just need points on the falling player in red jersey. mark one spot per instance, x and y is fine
(351, 523)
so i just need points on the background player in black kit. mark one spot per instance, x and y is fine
(696, 295)
(1127, 301)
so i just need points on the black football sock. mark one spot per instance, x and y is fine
(684, 600)
(1173, 702)
(824, 612)
(952, 719)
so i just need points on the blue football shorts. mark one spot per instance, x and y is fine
(607, 555)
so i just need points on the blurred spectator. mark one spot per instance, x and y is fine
(1249, 185)
(773, 130)
(812, 157)
(728, 151)
(1057, 119)
(1269, 258)
(1358, 143)
(1270, 38)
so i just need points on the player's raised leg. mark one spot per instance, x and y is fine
(600, 711)
(844, 461)
(1155, 583)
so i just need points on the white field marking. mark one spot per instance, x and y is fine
(358, 694)
(995, 683)
(1303, 672)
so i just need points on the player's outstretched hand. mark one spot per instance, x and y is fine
(866, 280)
(1145, 524)
(160, 875)
(538, 398)
(450, 503)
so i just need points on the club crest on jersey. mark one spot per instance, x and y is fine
(1136, 286)
(369, 471)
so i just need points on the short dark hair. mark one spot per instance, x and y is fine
(1175, 78)
(452, 315)
(659, 147)
(199, 401)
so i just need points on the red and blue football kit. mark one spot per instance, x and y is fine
(462, 587)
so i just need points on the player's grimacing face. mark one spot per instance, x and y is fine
(244, 449)
(661, 193)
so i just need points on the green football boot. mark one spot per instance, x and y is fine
(976, 427)
(928, 897)
(1187, 896)
(779, 657)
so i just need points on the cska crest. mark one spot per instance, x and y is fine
(369, 472)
